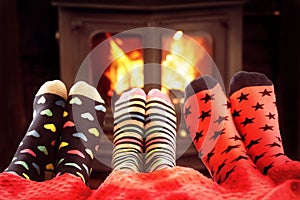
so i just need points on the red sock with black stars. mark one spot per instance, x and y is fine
(209, 121)
(255, 115)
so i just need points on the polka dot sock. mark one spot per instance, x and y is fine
(160, 132)
(255, 115)
(80, 137)
(35, 156)
(129, 118)
(208, 119)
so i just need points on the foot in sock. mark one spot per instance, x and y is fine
(208, 119)
(129, 118)
(255, 115)
(35, 156)
(160, 132)
(80, 137)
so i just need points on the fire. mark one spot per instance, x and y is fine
(177, 71)
(126, 70)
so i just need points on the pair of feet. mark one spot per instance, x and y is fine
(144, 131)
(241, 131)
(65, 132)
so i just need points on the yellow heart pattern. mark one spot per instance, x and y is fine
(50, 127)
(94, 132)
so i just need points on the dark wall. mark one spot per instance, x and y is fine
(29, 57)
(271, 46)
(289, 76)
(12, 118)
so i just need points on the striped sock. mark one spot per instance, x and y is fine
(160, 132)
(129, 118)
(81, 132)
(35, 157)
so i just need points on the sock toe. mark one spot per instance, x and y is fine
(83, 88)
(134, 92)
(245, 79)
(53, 87)
(155, 93)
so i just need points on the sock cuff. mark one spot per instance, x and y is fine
(245, 79)
(199, 84)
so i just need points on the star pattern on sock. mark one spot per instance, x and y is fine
(274, 144)
(187, 111)
(221, 119)
(217, 134)
(198, 135)
(265, 93)
(258, 106)
(236, 113)
(248, 121)
(270, 116)
(235, 138)
(230, 147)
(252, 143)
(228, 104)
(209, 155)
(256, 158)
(243, 97)
(240, 158)
(208, 98)
(266, 128)
(204, 115)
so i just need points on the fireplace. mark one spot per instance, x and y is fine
(214, 24)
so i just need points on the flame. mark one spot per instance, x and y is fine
(126, 70)
(177, 71)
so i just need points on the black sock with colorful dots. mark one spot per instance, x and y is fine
(209, 121)
(81, 131)
(35, 156)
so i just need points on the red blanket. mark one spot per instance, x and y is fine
(175, 183)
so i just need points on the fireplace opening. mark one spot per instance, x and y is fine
(127, 70)
(216, 25)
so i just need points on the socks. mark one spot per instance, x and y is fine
(255, 115)
(160, 132)
(129, 118)
(35, 156)
(208, 119)
(81, 131)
